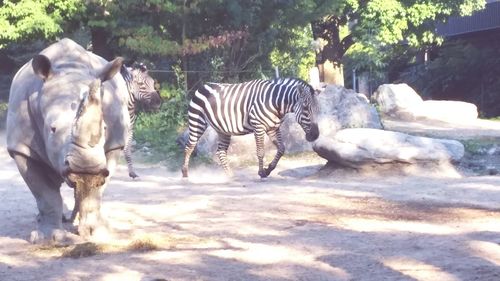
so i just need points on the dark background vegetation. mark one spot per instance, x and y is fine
(188, 42)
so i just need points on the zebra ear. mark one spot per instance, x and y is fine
(143, 67)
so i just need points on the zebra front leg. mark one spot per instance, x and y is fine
(127, 150)
(222, 146)
(275, 136)
(259, 141)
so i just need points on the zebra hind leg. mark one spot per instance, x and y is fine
(194, 136)
(128, 158)
(187, 155)
(277, 140)
(222, 146)
(127, 151)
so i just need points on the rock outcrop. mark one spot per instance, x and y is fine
(358, 147)
(400, 101)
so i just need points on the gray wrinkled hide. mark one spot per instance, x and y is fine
(39, 153)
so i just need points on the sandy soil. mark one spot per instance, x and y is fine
(296, 225)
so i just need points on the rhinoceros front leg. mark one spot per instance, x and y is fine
(45, 186)
(88, 195)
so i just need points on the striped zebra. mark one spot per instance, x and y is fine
(257, 107)
(144, 96)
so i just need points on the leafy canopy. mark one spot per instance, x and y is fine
(26, 19)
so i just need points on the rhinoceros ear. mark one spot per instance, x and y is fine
(111, 69)
(42, 66)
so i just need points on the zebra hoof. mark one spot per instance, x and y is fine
(184, 172)
(133, 175)
(263, 174)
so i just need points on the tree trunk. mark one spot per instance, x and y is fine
(331, 48)
(331, 73)
(100, 40)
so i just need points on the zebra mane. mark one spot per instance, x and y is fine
(298, 80)
(127, 74)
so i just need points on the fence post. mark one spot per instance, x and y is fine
(276, 72)
(354, 79)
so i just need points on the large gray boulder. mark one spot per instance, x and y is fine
(393, 98)
(339, 108)
(400, 101)
(447, 111)
(350, 109)
(359, 147)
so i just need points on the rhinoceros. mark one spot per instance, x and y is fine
(67, 122)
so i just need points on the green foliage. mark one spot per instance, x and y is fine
(462, 71)
(30, 19)
(374, 25)
(297, 57)
(160, 130)
(365, 57)
(479, 146)
(392, 21)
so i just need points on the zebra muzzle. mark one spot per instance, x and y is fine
(313, 133)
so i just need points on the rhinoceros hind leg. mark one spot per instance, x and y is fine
(45, 186)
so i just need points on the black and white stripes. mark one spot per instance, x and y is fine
(257, 107)
(143, 95)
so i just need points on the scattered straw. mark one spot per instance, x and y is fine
(140, 243)
(146, 243)
(86, 249)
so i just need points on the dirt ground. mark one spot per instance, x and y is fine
(296, 225)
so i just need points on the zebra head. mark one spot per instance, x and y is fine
(144, 88)
(306, 110)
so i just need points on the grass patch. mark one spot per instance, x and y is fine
(159, 132)
(145, 244)
(162, 147)
(479, 146)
